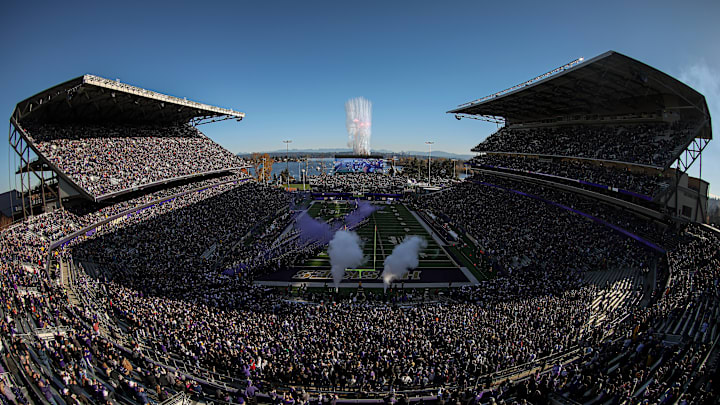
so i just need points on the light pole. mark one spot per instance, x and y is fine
(454, 166)
(303, 177)
(430, 144)
(287, 160)
(264, 171)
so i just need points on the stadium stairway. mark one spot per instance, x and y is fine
(618, 288)
(119, 331)
(67, 278)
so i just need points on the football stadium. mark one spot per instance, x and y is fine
(146, 263)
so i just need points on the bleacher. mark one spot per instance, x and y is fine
(619, 289)
(102, 139)
(107, 160)
(126, 301)
(655, 145)
(645, 183)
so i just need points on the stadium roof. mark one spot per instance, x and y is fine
(611, 83)
(91, 98)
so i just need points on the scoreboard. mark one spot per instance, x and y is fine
(359, 165)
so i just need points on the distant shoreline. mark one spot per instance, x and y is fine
(325, 153)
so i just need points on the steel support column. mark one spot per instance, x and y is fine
(22, 149)
(684, 162)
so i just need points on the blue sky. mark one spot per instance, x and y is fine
(291, 65)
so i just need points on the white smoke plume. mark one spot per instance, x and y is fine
(404, 257)
(358, 114)
(345, 251)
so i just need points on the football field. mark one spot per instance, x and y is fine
(382, 231)
(393, 222)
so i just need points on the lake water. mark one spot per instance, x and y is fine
(313, 166)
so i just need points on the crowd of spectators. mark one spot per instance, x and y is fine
(640, 366)
(57, 225)
(103, 159)
(91, 213)
(184, 238)
(649, 144)
(159, 296)
(641, 226)
(372, 346)
(78, 365)
(520, 232)
(188, 288)
(356, 182)
(52, 351)
(593, 172)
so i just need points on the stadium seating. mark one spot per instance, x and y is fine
(151, 296)
(511, 225)
(143, 315)
(593, 175)
(203, 228)
(349, 182)
(648, 144)
(112, 158)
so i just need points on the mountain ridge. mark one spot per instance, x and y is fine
(438, 153)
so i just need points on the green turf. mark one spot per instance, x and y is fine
(393, 222)
(300, 186)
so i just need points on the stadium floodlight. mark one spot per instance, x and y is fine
(429, 144)
(287, 143)
(265, 171)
